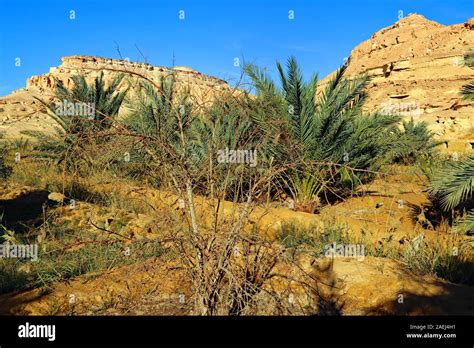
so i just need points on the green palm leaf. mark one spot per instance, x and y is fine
(455, 183)
(468, 91)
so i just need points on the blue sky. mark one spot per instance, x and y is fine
(211, 35)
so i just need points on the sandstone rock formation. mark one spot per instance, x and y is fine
(93, 66)
(417, 70)
(20, 111)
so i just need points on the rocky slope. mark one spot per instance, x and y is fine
(417, 70)
(154, 285)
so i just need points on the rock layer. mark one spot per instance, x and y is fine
(417, 69)
(93, 66)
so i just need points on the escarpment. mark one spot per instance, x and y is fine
(417, 69)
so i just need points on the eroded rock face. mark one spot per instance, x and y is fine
(20, 110)
(93, 66)
(417, 70)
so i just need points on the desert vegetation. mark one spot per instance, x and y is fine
(189, 183)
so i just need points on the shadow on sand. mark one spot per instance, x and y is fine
(25, 210)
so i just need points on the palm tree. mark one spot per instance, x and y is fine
(104, 102)
(454, 187)
(324, 123)
(164, 117)
(415, 140)
(157, 117)
(453, 184)
(75, 130)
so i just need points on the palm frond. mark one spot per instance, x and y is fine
(455, 183)
(468, 91)
(263, 84)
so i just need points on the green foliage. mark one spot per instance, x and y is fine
(467, 90)
(293, 236)
(465, 224)
(453, 186)
(313, 239)
(158, 112)
(94, 257)
(156, 119)
(430, 166)
(469, 58)
(11, 276)
(325, 125)
(21, 144)
(106, 103)
(174, 130)
(63, 264)
(5, 147)
(415, 141)
(226, 125)
(75, 135)
(441, 261)
(305, 190)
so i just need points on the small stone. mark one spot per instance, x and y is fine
(56, 197)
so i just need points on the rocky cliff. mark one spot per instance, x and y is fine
(417, 69)
(93, 66)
